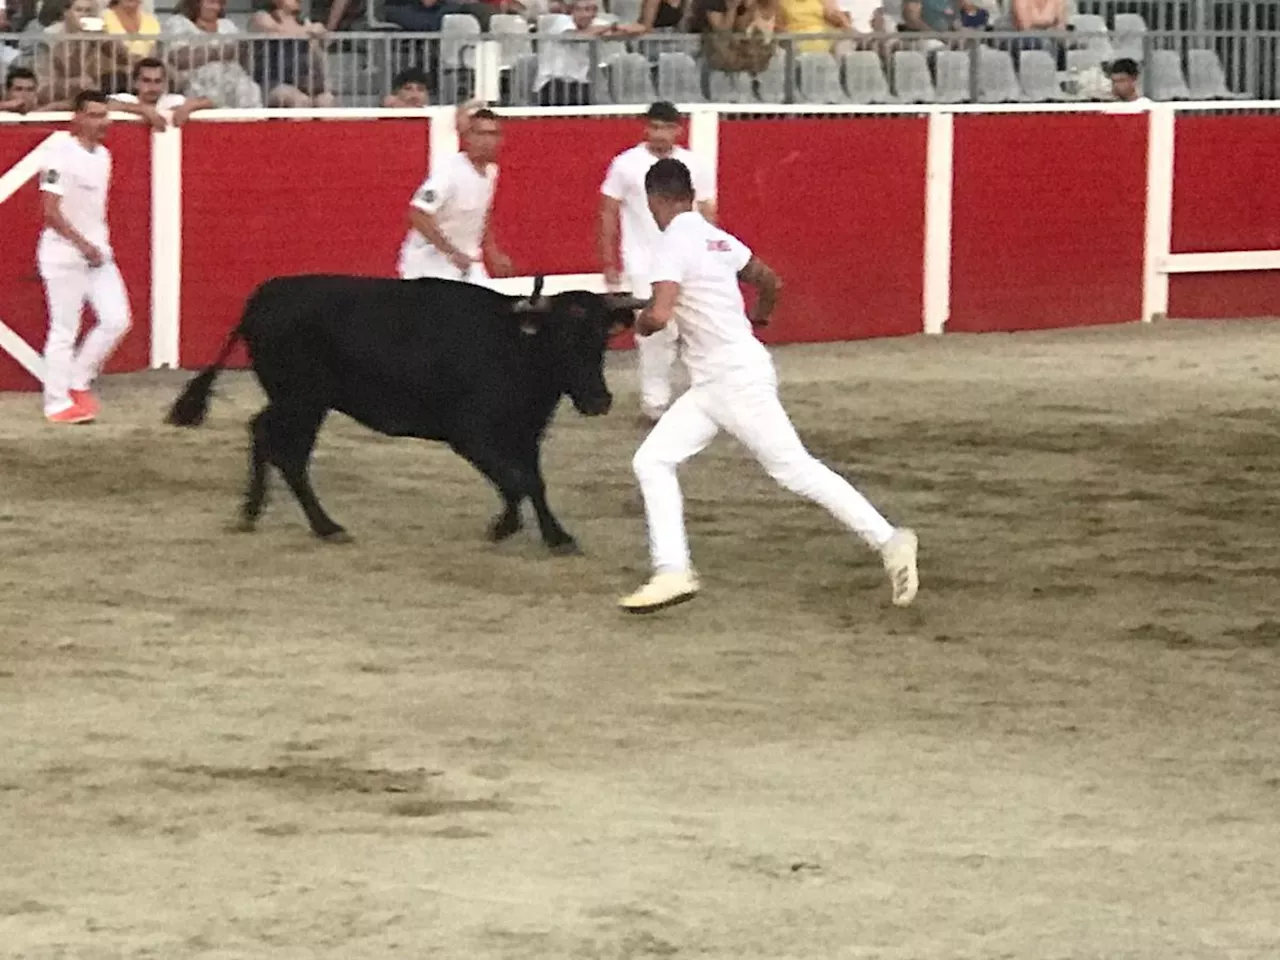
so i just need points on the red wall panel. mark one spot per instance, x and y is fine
(1048, 216)
(836, 206)
(22, 304)
(1224, 168)
(276, 197)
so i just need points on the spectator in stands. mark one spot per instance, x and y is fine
(64, 69)
(1124, 74)
(970, 16)
(19, 91)
(409, 89)
(737, 35)
(426, 16)
(127, 17)
(152, 100)
(206, 70)
(564, 69)
(8, 52)
(337, 14)
(290, 65)
(814, 16)
(1039, 14)
(927, 16)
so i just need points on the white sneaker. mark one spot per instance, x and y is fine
(663, 590)
(899, 556)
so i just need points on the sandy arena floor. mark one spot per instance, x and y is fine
(422, 746)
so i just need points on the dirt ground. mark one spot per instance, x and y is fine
(420, 745)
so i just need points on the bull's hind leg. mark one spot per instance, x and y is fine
(256, 492)
(292, 435)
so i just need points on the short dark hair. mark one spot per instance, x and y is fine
(484, 113)
(664, 111)
(146, 63)
(409, 75)
(18, 73)
(669, 178)
(1125, 65)
(85, 97)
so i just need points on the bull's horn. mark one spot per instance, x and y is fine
(624, 301)
(537, 288)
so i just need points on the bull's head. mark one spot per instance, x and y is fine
(578, 325)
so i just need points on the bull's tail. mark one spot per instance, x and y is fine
(190, 408)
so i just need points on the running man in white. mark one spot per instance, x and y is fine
(695, 273)
(76, 262)
(623, 201)
(449, 214)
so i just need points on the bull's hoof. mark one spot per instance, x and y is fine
(505, 526)
(568, 547)
(242, 524)
(337, 536)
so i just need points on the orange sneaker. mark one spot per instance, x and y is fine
(85, 400)
(73, 414)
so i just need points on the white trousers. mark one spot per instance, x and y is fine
(655, 356)
(747, 407)
(67, 285)
(431, 264)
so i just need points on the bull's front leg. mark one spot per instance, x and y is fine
(505, 473)
(557, 539)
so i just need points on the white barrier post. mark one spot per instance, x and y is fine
(1158, 234)
(166, 247)
(939, 172)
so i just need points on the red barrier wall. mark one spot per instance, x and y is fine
(268, 198)
(836, 206)
(22, 304)
(1224, 199)
(1047, 220)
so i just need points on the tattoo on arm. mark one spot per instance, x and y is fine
(758, 274)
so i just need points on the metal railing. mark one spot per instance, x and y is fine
(526, 69)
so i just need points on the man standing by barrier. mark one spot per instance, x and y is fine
(76, 262)
(695, 270)
(449, 214)
(623, 202)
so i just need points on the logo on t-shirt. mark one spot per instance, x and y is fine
(718, 246)
(51, 176)
(427, 196)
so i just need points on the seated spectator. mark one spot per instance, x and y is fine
(970, 16)
(813, 16)
(337, 15)
(128, 17)
(409, 89)
(426, 16)
(1039, 14)
(1124, 74)
(19, 91)
(152, 100)
(564, 69)
(65, 67)
(737, 35)
(8, 52)
(210, 71)
(289, 66)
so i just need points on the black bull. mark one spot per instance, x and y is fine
(433, 359)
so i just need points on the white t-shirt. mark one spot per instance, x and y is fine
(167, 103)
(459, 197)
(715, 333)
(624, 182)
(81, 178)
(562, 61)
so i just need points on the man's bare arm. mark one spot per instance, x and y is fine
(660, 309)
(56, 221)
(708, 210)
(426, 225)
(610, 215)
(760, 275)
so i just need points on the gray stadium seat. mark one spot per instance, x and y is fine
(627, 11)
(1206, 79)
(997, 81)
(512, 33)
(1164, 77)
(1129, 31)
(678, 78)
(729, 87)
(772, 81)
(864, 78)
(455, 51)
(951, 68)
(629, 79)
(1096, 36)
(1039, 75)
(521, 77)
(911, 80)
(819, 79)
